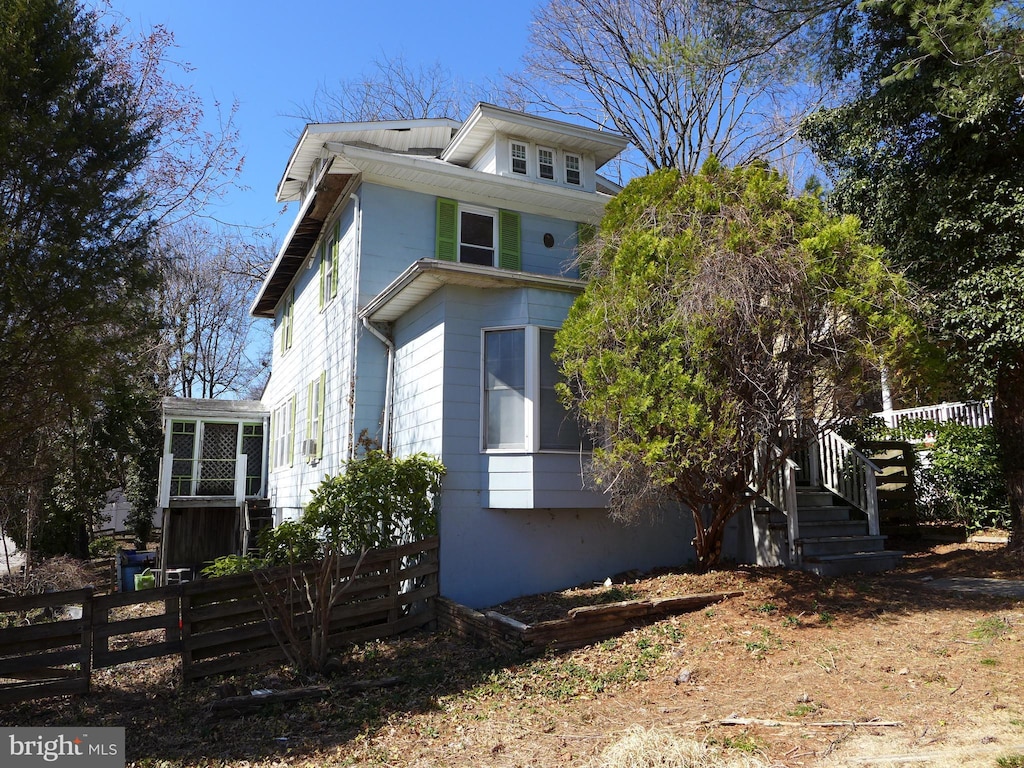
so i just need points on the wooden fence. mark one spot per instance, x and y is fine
(215, 625)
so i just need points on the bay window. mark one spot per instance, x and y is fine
(521, 409)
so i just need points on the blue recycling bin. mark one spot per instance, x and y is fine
(132, 564)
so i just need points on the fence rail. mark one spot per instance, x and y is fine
(215, 625)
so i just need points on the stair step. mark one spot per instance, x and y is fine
(814, 497)
(825, 528)
(857, 562)
(823, 513)
(840, 545)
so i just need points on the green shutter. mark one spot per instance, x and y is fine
(336, 248)
(509, 241)
(320, 421)
(447, 245)
(310, 405)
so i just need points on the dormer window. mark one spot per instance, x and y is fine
(518, 157)
(546, 163)
(572, 169)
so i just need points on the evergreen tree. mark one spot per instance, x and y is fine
(75, 278)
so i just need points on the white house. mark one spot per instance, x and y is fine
(415, 301)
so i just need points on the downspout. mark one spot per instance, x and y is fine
(389, 384)
(358, 218)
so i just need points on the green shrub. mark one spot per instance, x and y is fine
(104, 546)
(963, 482)
(293, 541)
(232, 565)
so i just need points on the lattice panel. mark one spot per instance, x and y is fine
(217, 473)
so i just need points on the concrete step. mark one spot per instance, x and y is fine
(857, 562)
(840, 545)
(826, 528)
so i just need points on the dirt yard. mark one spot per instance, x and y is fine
(870, 670)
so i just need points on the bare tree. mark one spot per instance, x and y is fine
(682, 79)
(210, 345)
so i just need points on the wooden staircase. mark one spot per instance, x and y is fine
(834, 539)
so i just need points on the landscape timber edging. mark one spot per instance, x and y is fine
(582, 626)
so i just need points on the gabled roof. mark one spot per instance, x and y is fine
(425, 276)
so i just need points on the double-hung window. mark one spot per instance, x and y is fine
(521, 409)
(473, 235)
(282, 432)
(313, 447)
(287, 320)
(572, 169)
(546, 163)
(329, 266)
(518, 152)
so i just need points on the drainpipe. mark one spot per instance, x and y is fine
(389, 384)
(354, 341)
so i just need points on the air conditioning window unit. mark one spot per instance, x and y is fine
(309, 448)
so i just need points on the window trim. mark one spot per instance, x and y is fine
(578, 169)
(554, 164)
(531, 393)
(287, 320)
(477, 210)
(284, 410)
(512, 145)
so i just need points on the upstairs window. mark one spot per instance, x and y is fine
(518, 157)
(478, 235)
(546, 163)
(329, 267)
(572, 169)
(287, 320)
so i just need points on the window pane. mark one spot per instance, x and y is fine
(477, 239)
(558, 429)
(505, 388)
(518, 158)
(572, 169)
(546, 163)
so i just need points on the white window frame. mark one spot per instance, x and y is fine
(531, 392)
(493, 214)
(578, 169)
(554, 163)
(514, 144)
(283, 433)
(287, 320)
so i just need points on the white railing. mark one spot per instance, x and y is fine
(849, 474)
(780, 492)
(976, 413)
(203, 477)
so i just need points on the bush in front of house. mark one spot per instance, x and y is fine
(962, 483)
(378, 501)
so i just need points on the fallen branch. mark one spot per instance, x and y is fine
(255, 701)
(825, 724)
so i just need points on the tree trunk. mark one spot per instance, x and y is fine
(1008, 408)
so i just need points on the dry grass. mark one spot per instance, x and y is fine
(821, 657)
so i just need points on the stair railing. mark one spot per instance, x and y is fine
(849, 474)
(780, 492)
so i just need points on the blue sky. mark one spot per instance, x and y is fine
(270, 56)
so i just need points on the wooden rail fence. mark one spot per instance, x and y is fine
(215, 625)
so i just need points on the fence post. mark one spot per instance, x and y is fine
(394, 588)
(86, 653)
(185, 633)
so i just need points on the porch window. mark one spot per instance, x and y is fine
(252, 447)
(183, 446)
